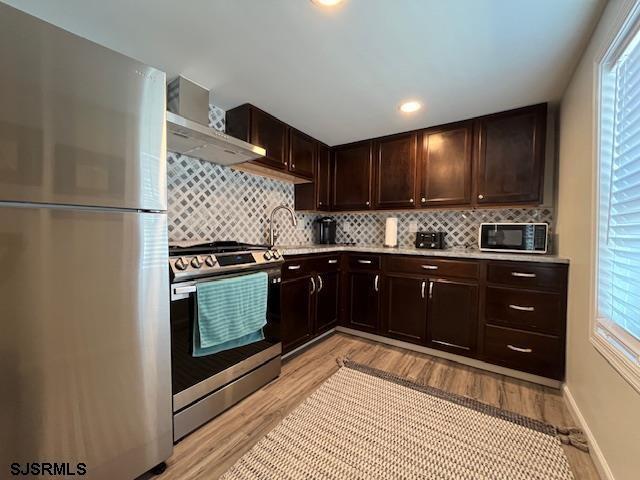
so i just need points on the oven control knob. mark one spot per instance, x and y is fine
(195, 262)
(267, 255)
(181, 264)
(276, 254)
(210, 261)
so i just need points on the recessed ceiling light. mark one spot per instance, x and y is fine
(326, 3)
(410, 107)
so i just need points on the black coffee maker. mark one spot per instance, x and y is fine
(326, 230)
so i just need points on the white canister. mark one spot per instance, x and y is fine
(391, 232)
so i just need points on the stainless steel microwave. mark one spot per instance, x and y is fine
(514, 237)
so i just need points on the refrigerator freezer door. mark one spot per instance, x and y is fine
(84, 339)
(79, 124)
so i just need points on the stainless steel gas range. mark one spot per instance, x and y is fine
(205, 386)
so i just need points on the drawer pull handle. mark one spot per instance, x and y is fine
(294, 267)
(518, 349)
(430, 267)
(333, 260)
(523, 275)
(522, 309)
(366, 262)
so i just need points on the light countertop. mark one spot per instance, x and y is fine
(289, 250)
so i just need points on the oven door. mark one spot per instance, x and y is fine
(513, 237)
(196, 377)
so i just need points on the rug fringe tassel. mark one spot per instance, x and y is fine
(573, 436)
(341, 361)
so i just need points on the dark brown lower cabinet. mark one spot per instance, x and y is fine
(296, 312)
(309, 299)
(327, 309)
(452, 315)
(405, 308)
(487, 310)
(363, 301)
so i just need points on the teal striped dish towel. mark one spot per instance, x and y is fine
(230, 313)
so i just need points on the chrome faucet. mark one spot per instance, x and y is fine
(272, 234)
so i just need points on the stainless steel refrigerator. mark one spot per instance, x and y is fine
(84, 299)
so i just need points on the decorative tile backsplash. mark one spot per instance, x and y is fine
(461, 226)
(212, 202)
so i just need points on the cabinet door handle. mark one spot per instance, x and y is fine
(518, 349)
(313, 285)
(521, 308)
(293, 267)
(333, 260)
(376, 282)
(424, 285)
(523, 275)
(320, 284)
(430, 289)
(366, 262)
(430, 267)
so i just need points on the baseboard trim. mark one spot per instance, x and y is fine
(594, 449)
(472, 362)
(304, 346)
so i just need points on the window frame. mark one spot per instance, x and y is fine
(612, 342)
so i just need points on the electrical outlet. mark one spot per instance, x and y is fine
(346, 227)
(413, 226)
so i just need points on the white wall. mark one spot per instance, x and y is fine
(609, 405)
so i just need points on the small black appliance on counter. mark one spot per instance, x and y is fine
(433, 240)
(326, 230)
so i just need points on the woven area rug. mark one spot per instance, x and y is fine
(363, 423)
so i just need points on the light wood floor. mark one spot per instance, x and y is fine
(211, 450)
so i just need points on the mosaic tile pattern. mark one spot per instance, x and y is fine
(217, 118)
(461, 225)
(211, 202)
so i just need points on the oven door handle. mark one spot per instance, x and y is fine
(181, 292)
(184, 290)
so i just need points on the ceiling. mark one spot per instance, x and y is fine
(339, 74)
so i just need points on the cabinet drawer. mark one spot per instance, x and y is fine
(364, 262)
(526, 309)
(294, 268)
(528, 275)
(327, 264)
(432, 266)
(530, 352)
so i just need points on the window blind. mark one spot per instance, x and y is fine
(619, 222)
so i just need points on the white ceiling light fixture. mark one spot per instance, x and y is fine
(410, 107)
(326, 3)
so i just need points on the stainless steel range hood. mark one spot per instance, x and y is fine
(187, 133)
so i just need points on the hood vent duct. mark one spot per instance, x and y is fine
(188, 133)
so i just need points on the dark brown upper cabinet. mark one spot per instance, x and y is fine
(352, 176)
(323, 178)
(395, 171)
(302, 153)
(509, 156)
(255, 126)
(445, 165)
(316, 196)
